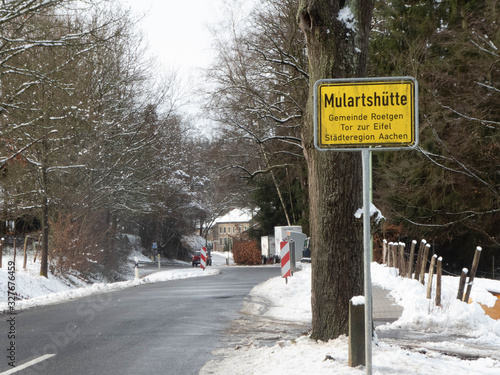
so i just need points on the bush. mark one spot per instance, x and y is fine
(85, 246)
(246, 252)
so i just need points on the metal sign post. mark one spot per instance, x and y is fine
(366, 114)
(365, 155)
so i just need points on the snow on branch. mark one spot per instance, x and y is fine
(260, 140)
(293, 64)
(251, 175)
(470, 214)
(13, 10)
(64, 167)
(20, 151)
(484, 49)
(482, 121)
(487, 86)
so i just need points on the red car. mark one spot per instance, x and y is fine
(195, 261)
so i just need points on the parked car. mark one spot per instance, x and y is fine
(196, 258)
(195, 261)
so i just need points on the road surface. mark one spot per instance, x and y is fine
(164, 328)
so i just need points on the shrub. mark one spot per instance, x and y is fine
(246, 252)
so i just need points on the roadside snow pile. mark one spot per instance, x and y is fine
(292, 302)
(453, 316)
(281, 295)
(32, 290)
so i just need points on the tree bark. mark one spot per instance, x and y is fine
(335, 50)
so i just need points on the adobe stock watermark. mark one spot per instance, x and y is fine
(11, 312)
(56, 341)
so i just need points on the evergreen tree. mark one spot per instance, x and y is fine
(448, 191)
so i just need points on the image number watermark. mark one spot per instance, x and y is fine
(87, 311)
(11, 320)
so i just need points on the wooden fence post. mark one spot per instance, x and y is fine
(384, 252)
(390, 256)
(14, 251)
(25, 255)
(438, 280)
(402, 262)
(461, 284)
(356, 355)
(475, 263)
(420, 254)
(431, 274)
(39, 244)
(395, 255)
(424, 264)
(411, 260)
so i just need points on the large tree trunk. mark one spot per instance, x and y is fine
(335, 50)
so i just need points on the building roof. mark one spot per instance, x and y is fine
(236, 215)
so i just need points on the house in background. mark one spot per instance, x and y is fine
(225, 228)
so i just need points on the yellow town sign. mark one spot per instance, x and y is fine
(375, 113)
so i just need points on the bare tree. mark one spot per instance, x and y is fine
(261, 79)
(77, 105)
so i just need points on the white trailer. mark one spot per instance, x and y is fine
(268, 248)
(280, 233)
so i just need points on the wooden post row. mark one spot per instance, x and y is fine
(420, 255)
(401, 257)
(25, 255)
(389, 254)
(14, 251)
(431, 274)
(438, 281)
(384, 252)
(461, 284)
(424, 263)
(475, 263)
(39, 245)
(411, 260)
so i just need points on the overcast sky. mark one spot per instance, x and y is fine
(176, 31)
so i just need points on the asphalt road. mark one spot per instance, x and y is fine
(165, 328)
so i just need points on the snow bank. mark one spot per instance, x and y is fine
(298, 290)
(291, 302)
(34, 290)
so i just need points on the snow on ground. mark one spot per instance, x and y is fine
(291, 302)
(34, 290)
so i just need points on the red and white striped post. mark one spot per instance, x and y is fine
(203, 258)
(285, 260)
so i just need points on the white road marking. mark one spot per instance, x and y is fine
(27, 364)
